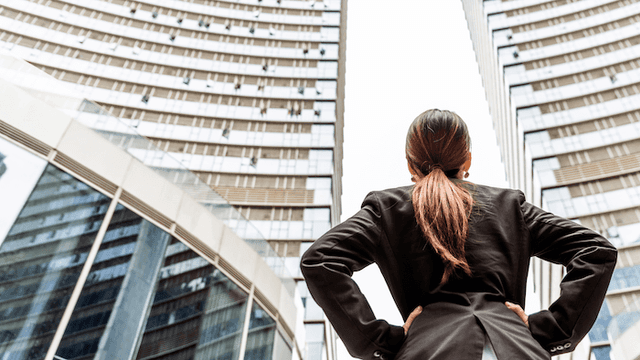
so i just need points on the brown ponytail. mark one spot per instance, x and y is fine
(437, 147)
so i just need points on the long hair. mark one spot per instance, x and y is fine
(437, 147)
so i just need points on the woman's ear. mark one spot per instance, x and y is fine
(467, 164)
(413, 174)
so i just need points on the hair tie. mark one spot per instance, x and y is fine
(432, 167)
(448, 173)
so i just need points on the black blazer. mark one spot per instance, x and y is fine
(504, 232)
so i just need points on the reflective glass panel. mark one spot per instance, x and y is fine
(315, 341)
(262, 330)
(601, 353)
(42, 257)
(282, 348)
(197, 312)
(599, 330)
(112, 306)
(311, 309)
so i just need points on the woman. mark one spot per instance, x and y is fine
(455, 256)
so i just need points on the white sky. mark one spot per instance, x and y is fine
(404, 57)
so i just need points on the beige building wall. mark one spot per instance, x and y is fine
(563, 85)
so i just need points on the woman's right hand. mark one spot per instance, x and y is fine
(518, 310)
(410, 319)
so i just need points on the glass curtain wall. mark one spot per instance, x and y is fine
(197, 313)
(42, 256)
(147, 295)
(261, 335)
(112, 306)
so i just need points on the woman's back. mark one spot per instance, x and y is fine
(497, 248)
(504, 231)
(454, 315)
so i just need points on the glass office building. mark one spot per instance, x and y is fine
(562, 80)
(245, 96)
(104, 257)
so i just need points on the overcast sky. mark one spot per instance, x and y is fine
(404, 57)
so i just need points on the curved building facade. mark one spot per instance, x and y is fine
(245, 94)
(102, 257)
(563, 84)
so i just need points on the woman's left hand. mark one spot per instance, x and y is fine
(518, 310)
(410, 319)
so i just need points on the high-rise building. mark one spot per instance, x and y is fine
(245, 94)
(562, 80)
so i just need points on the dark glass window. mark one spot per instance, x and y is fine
(602, 352)
(262, 329)
(114, 299)
(197, 312)
(599, 330)
(42, 256)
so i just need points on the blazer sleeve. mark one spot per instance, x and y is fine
(589, 260)
(327, 268)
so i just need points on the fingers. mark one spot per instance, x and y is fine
(411, 317)
(515, 308)
(512, 306)
(415, 313)
(519, 311)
